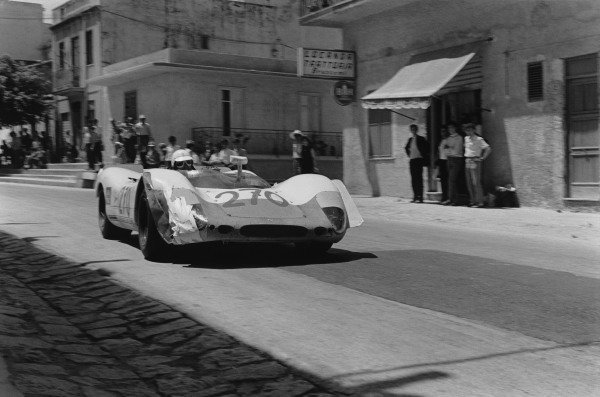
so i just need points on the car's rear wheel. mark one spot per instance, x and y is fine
(108, 230)
(152, 244)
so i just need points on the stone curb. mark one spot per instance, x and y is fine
(69, 331)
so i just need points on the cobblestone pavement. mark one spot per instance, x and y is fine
(69, 331)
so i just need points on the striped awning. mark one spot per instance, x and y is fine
(424, 76)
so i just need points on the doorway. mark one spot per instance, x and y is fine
(583, 135)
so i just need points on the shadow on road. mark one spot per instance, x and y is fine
(259, 256)
(36, 238)
(382, 388)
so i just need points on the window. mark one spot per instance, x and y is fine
(131, 104)
(226, 111)
(61, 55)
(91, 110)
(75, 56)
(89, 47)
(380, 133)
(535, 81)
(204, 42)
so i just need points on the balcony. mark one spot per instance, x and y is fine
(270, 142)
(67, 82)
(71, 8)
(337, 13)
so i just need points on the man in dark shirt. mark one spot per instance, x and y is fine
(417, 150)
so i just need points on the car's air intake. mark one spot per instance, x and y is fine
(273, 231)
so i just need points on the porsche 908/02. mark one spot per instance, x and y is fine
(201, 204)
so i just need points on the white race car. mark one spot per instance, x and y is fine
(188, 205)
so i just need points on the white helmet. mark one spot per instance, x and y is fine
(183, 160)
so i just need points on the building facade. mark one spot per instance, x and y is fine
(525, 71)
(196, 69)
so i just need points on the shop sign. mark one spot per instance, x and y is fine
(343, 92)
(326, 64)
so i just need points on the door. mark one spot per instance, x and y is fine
(310, 112)
(76, 123)
(583, 135)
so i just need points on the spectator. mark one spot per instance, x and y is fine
(6, 153)
(162, 151)
(120, 155)
(116, 134)
(417, 149)
(190, 148)
(442, 164)
(225, 153)
(308, 158)
(214, 157)
(476, 150)
(97, 143)
(25, 140)
(152, 156)
(171, 148)
(296, 137)
(87, 144)
(17, 150)
(128, 141)
(455, 155)
(144, 135)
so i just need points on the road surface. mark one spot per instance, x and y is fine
(399, 307)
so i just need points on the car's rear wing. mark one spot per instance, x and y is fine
(354, 218)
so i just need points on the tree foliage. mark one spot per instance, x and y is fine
(22, 91)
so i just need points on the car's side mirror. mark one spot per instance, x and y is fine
(238, 160)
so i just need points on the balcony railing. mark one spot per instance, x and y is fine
(66, 79)
(269, 142)
(309, 6)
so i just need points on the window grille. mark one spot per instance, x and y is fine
(535, 81)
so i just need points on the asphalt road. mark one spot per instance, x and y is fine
(397, 308)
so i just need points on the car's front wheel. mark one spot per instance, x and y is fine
(152, 244)
(108, 230)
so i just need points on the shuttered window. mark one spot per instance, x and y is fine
(380, 132)
(535, 81)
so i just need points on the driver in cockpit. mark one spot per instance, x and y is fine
(181, 161)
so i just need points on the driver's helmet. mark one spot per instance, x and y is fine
(182, 160)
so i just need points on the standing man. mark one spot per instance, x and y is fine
(143, 133)
(455, 153)
(476, 150)
(442, 164)
(417, 150)
(296, 137)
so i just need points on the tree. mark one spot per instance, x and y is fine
(22, 91)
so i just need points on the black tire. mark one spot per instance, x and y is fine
(108, 230)
(152, 245)
(313, 249)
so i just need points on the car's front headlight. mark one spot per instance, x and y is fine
(199, 217)
(336, 216)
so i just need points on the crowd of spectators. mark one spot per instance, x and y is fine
(25, 150)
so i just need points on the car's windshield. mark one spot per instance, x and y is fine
(210, 178)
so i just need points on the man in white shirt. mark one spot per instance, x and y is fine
(456, 162)
(476, 150)
(144, 134)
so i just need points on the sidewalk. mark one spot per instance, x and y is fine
(585, 227)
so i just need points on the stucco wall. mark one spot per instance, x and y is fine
(176, 102)
(243, 28)
(527, 137)
(22, 36)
